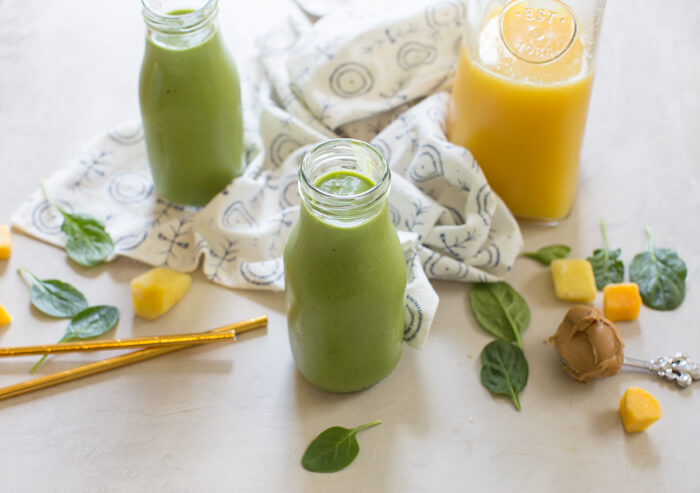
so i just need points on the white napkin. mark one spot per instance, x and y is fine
(363, 71)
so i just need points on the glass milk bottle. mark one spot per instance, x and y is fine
(344, 270)
(520, 98)
(190, 102)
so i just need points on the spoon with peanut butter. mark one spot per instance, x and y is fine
(590, 347)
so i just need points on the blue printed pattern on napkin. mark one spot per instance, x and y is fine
(367, 72)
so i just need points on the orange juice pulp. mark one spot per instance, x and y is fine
(523, 122)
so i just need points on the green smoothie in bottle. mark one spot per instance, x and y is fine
(190, 100)
(345, 272)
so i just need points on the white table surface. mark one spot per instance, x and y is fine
(238, 417)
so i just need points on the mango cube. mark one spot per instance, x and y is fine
(621, 301)
(155, 292)
(573, 279)
(638, 409)
(5, 242)
(5, 317)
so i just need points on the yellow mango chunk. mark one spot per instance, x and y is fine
(638, 409)
(621, 301)
(5, 242)
(155, 292)
(5, 317)
(573, 279)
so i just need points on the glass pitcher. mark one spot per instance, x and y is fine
(520, 98)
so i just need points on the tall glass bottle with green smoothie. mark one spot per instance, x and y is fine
(190, 102)
(345, 272)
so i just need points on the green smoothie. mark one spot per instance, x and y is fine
(191, 109)
(345, 293)
(344, 183)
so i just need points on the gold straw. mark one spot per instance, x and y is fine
(67, 347)
(119, 361)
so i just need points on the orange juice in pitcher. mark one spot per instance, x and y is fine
(520, 98)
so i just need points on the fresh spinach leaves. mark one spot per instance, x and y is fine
(500, 310)
(607, 266)
(334, 449)
(545, 255)
(660, 274)
(54, 298)
(87, 241)
(504, 370)
(89, 323)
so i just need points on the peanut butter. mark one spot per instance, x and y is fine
(589, 344)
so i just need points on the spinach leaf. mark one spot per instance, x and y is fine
(500, 310)
(545, 255)
(504, 370)
(54, 298)
(660, 274)
(334, 449)
(89, 323)
(607, 266)
(87, 241)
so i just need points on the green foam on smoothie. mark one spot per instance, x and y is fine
(344, 183)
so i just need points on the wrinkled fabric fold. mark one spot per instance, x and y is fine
(377, 81)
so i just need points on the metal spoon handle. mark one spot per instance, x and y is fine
(676, 368)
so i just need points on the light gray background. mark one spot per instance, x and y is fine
(238, 417)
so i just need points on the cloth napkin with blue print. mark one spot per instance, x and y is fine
(371, 71)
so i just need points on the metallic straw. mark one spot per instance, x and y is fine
(119, 361)
(67, 347)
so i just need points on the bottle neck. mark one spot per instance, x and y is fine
(179, 24)
(351, 156)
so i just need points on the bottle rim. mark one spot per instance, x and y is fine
(343, 208)
(179, 23)
(332, 142)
